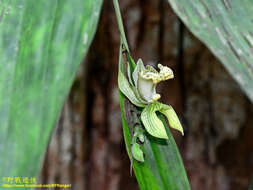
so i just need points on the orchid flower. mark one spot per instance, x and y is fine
(139, 86)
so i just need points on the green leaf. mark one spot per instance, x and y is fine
(163, 168)
(152, 123)
(42, 44)
(171, 115)
(226, 28)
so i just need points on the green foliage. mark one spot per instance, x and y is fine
(226, 28)
(42, 44)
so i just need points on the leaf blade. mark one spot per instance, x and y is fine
(42, 44)
(224, 27)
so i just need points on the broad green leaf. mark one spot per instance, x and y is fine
(172, 117)
(226, 28)
(163, 167)
(42, 44)
(152, 123)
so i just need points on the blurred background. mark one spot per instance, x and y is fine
(87, 147)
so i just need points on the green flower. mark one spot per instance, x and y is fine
(140, 89)
(146, 79)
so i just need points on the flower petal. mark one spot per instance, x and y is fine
(171, 115)
(127, 90)
(151, 122)
(125, 87)
(165, 73)
(140, 67)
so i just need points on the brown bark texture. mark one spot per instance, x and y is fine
(87, 147)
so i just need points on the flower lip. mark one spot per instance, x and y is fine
(148, 78)
(165, 72)
(151, 74)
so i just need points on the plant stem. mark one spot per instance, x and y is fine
(120, 23)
